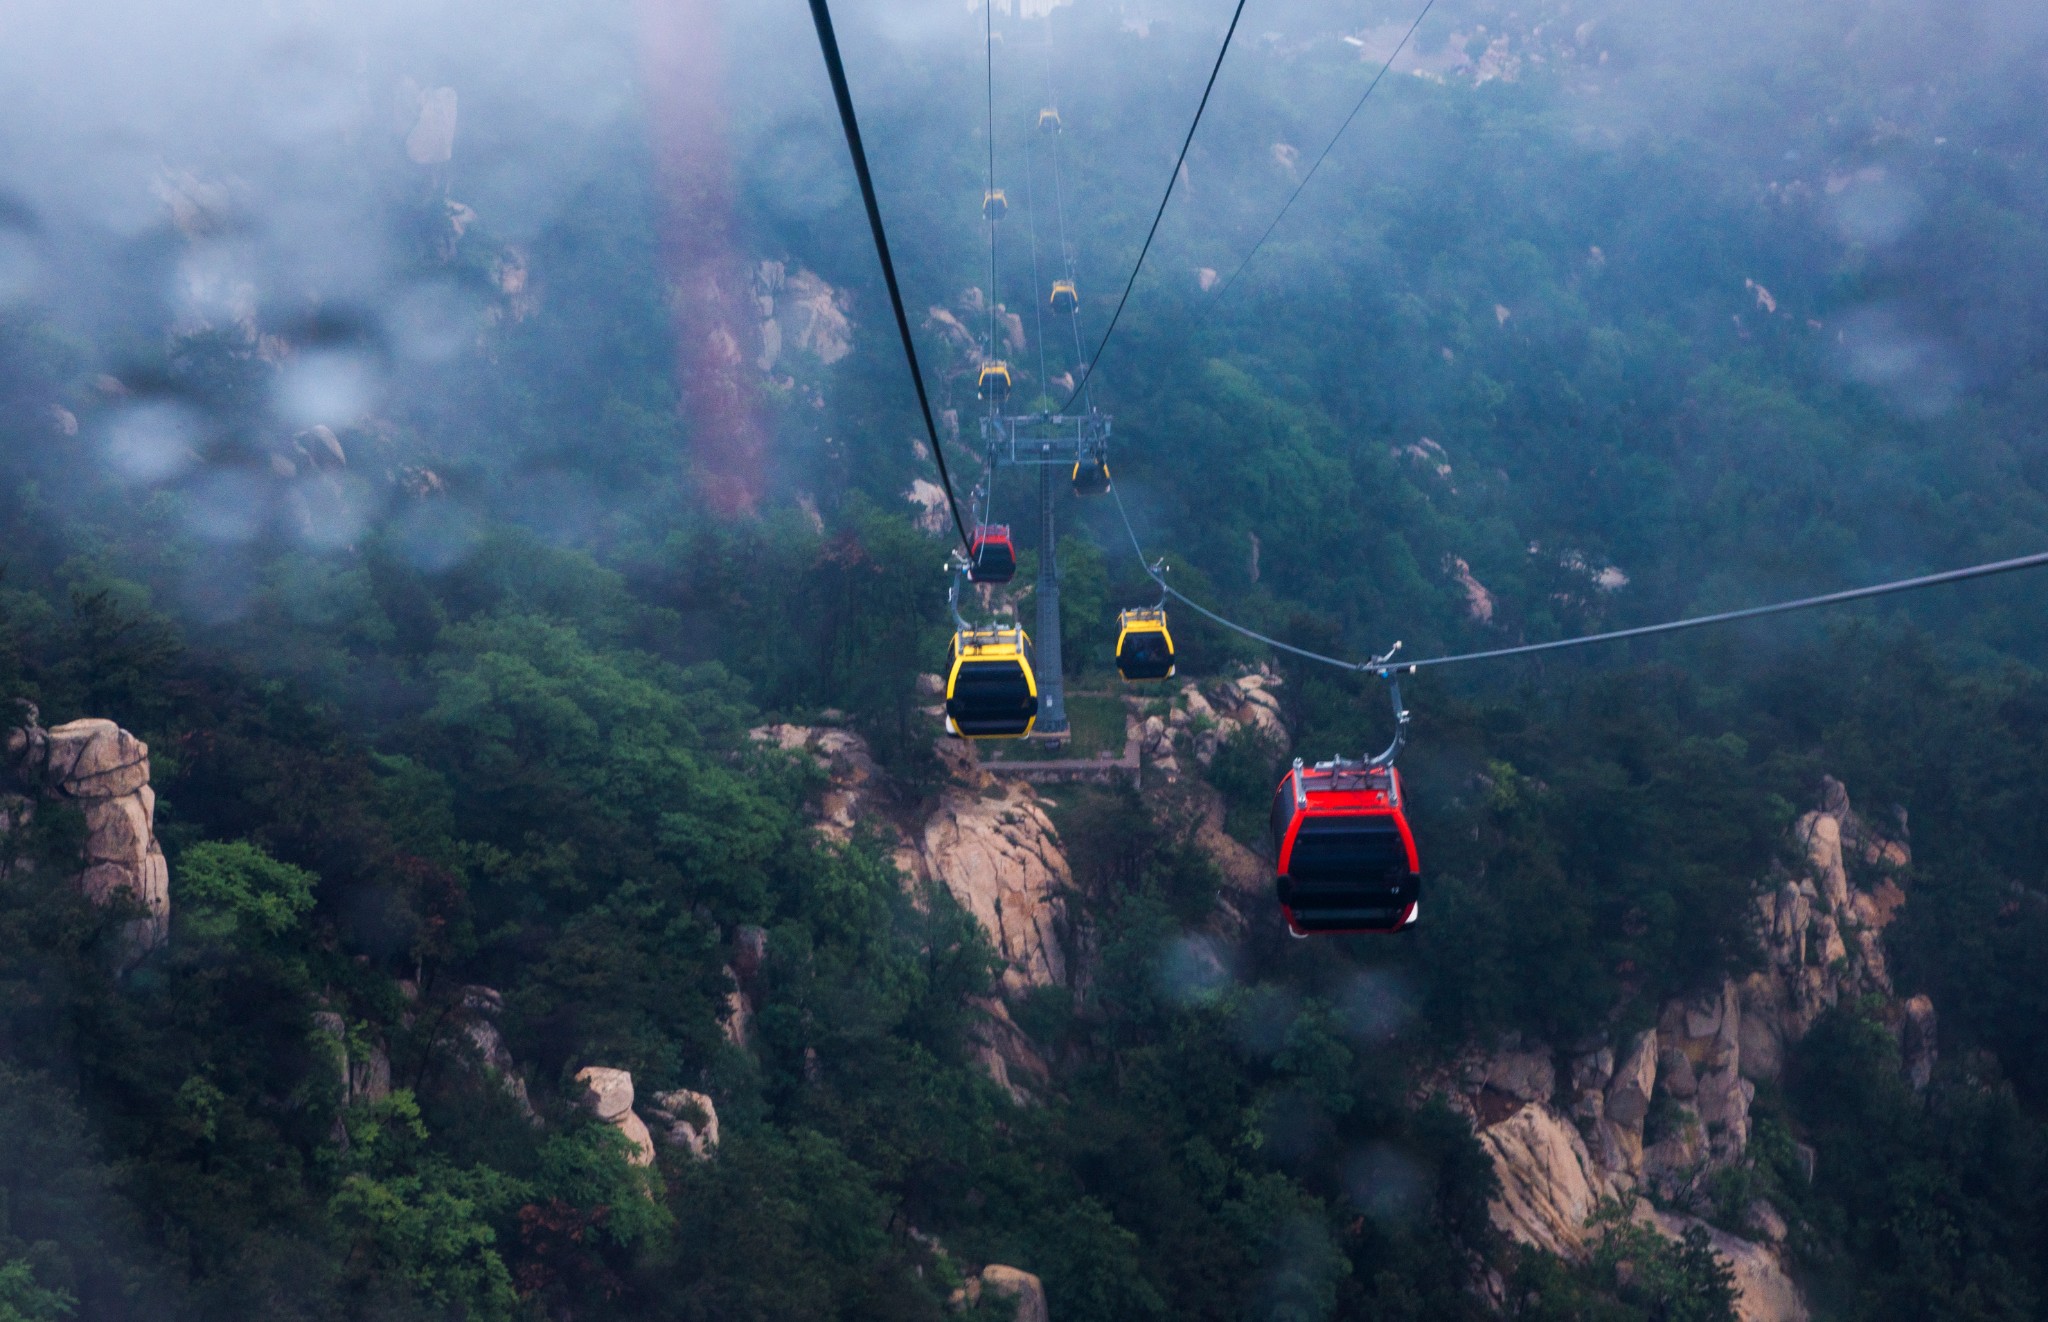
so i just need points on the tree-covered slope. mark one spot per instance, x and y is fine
(371, 492)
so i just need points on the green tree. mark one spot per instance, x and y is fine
(234, 891)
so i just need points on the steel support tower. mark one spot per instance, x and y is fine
(1052, 443)
(1052, 683)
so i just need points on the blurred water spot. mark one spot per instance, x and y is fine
(1874, 210)
(213, 287)
(560, 505)
(1300, 1282)
(331, 510)
(1193, 970)
(219, 588)
(1915, 371)
(432, 321)
(334, 386)
(228, 505)
(797, 170)
(21, 266)
(151, 441)
(1264, 1016)
(594, 81)
(1376, 1005)
(304, 96)
(1296, 1129)
(1385, 1183)
(436, 535)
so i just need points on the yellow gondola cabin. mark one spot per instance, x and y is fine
(991, 690)
(1144, 645)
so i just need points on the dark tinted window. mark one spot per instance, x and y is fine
(1283, 810)
(994, 560)
(991, 697)
(1145, 656)
(1348, 849)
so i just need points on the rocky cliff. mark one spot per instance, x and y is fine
(104, 770)
(987, 841)
(1644, 1118)
(1660, 1111)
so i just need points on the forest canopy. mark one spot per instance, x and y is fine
(455, 442)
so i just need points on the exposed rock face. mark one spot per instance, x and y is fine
(1526, 1076)
(1021, 1286)
(688, 1120)
(1695, 1074)
(611, 1100)
(1244, 872)
(1207, 717)
(1763, 1291)
(798, 310)
(1552, 1181)
(998, 853)
(432, 138)
(1005, 1053)
(989, 843)
(842, 755)
(105, 770)
(1549, 1183)
(1822, 933)
(481, 1007)
(1916, 1040)
(1626, 1097)
(364, 1075)
(749, 953)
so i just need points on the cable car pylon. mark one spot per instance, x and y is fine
(1075, 443)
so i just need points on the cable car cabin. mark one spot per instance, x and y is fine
(1091, 475)
(992, 556)
(1049, 120)
(1345, 859)
(993, 384)
(994, 204)
(1065, 298)
(1144, 647)
(991, 692)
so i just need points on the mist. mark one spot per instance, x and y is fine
(469, 448)
(385, 215)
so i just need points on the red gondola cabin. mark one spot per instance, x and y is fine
(993, 557)
(1345, 859)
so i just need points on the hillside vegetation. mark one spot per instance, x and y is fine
(448, 725)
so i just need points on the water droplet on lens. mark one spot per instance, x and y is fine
(151, 442)
(334, 386)
(228, 505)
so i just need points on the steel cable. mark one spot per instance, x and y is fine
(1171, 180)
(1384, 665)
(828, 46)
(1224, 288)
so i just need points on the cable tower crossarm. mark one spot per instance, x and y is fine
(1385, 665)
(1224, 288)
(1172, 179)
(828, 46)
